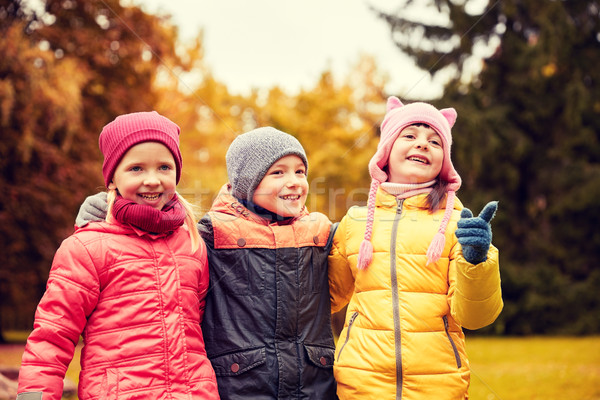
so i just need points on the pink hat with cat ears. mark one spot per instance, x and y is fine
(398, 117)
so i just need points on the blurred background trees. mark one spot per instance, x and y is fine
(528, 135)
(522, 75)
(63, 74)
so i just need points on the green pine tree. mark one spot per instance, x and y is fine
(528, 135)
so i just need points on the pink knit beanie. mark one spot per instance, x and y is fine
(128, 130)
(398, 117)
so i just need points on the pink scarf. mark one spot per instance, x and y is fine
(406, 190)
(148, 218)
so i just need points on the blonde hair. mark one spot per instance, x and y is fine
(190, 216)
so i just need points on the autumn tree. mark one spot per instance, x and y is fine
(335, 120)
(71, 67)
(527, 135)
(65, 71)
(209, 118)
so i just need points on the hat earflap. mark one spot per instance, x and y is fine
(365, 253)
(436, 247)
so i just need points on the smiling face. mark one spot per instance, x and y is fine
(416, 156)
(146, 175)
(284, 188)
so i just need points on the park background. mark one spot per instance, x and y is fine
(522, 74)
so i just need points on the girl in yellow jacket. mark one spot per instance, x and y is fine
(414, 266)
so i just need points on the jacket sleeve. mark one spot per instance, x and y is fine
(71, 295)
(475, 294)
(341, 278)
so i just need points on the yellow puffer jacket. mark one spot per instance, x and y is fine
(402, 338)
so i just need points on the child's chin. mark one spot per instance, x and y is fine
(291, 212)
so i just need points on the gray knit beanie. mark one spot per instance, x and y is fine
(251, 155)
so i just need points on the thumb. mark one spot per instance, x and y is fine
(489, 211)
(466, 213)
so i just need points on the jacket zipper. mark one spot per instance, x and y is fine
(350, 322)
(396, 300)
(456, 355)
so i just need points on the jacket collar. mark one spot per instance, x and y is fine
(385, 200)
(116, 227)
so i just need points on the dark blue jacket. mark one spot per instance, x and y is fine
(267, 324)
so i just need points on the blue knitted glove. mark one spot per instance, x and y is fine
(94, 208)
(475, 234)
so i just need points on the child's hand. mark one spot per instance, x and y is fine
(475, 234)
(94, 208)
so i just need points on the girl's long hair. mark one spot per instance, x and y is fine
(437, 194)
(190, 216)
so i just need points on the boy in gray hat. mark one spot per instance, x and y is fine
(267, 322)
(267, 325)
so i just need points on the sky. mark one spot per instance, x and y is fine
(263, 43)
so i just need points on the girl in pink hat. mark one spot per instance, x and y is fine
(414, 267)
(133, 287)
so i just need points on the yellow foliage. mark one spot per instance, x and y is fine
(549, 70)
(337, 123)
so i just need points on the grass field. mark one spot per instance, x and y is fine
(562, 368)
(530, 368)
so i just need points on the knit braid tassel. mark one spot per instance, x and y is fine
(434, 252)
(365, 252)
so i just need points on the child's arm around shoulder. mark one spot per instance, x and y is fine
(477, 297)
(93, 208)
(205, 228)
(341, 278)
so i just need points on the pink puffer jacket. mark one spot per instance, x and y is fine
(138, 301)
